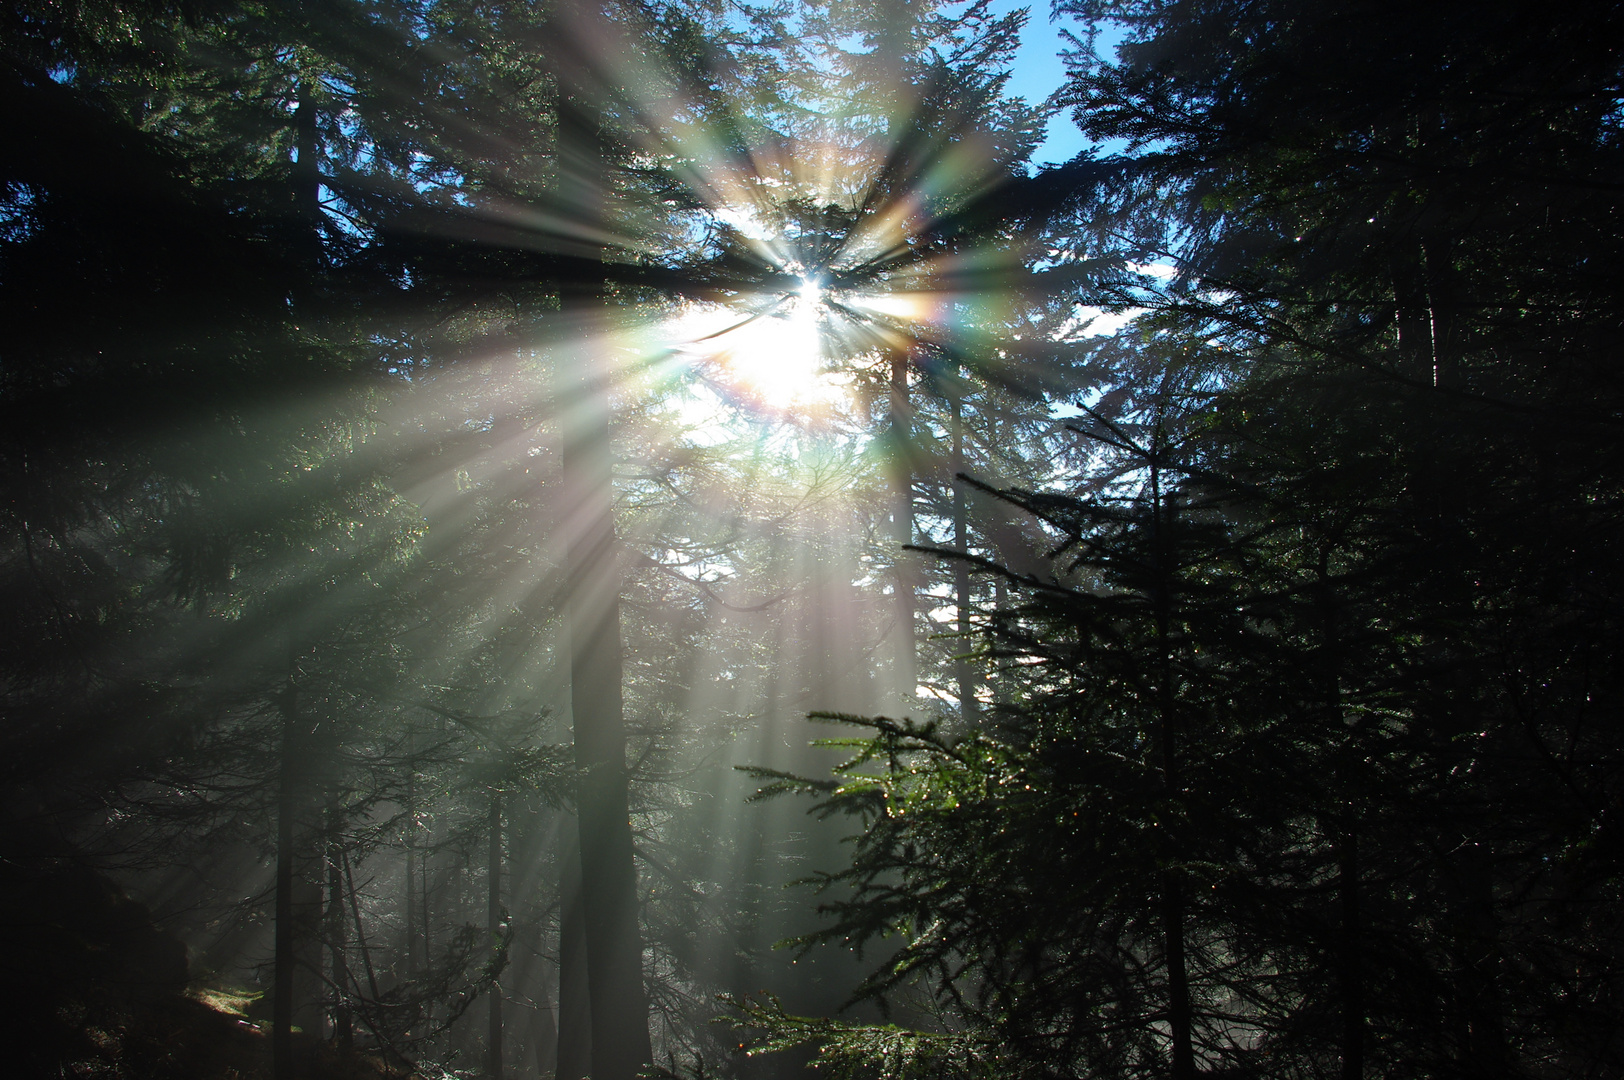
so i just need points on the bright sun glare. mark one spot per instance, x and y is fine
(772, 356)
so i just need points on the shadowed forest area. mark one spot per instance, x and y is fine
(614, 538)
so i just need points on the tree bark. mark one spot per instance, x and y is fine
(1412, 311)
(287, 801)
(969, 706)
(546, 1036)
(531, 1036)
(295, 950)
(1000, 606)
(1350, 976)
(493, 923)
(574, 1012)
(1344, 826)
(614, 950)
(337, 940)
(412, 966)
(614, 953)
(293, 937)
(360, 929)
(1180, 1020)
(905, 672)
(1485, 1051)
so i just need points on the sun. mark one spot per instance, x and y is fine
(772, 355)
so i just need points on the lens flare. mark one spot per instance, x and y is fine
(773, 358)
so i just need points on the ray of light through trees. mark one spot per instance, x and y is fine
(612, 538)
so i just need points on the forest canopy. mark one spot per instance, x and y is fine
(614, 538)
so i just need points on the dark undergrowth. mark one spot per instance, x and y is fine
(98, 992)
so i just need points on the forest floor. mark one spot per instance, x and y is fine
(195, 1035)
(98, 992)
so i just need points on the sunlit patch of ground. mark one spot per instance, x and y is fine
(231, 1002)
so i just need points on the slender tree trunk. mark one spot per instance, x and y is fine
(1439, 275)
(1350, 974)
(532, 879)
(1417, 333)
(307, 185)
(1000, 605)
(292, 943)
(614, 954)
(546, 1034)
(493, 923)
(287, 802)
(411, 855)
(1345, 828)
(425, 873)
(1485, 1051)
(900, 463)
(1179, 1016)
(360, 929)
(574, 1009)
(614, 950)
(337, 943)
(1179, 1019)
(297, 913)
(969, 706)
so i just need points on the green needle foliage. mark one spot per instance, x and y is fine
(1311, 747)
(860, 1051)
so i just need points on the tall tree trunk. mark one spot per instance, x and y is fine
(969, 706)
(1180, 1020)
(493, 924)
(609, 914)
(295, 951)
(614, 954)
(1350, 973)
(546, 1035)
(287, 802)
(307, 182)
(360, 929)
(574, 1010)
(532, 879)
(1441, 287)
(412, 966)
(296, 931)
(1412, 310)
(1000, 606)
(905, 671)
(337, 939)
(1485, 1051)
(1345, 828)
(425, 871)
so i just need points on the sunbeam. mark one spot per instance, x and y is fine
(540, 464)
(461, 462)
